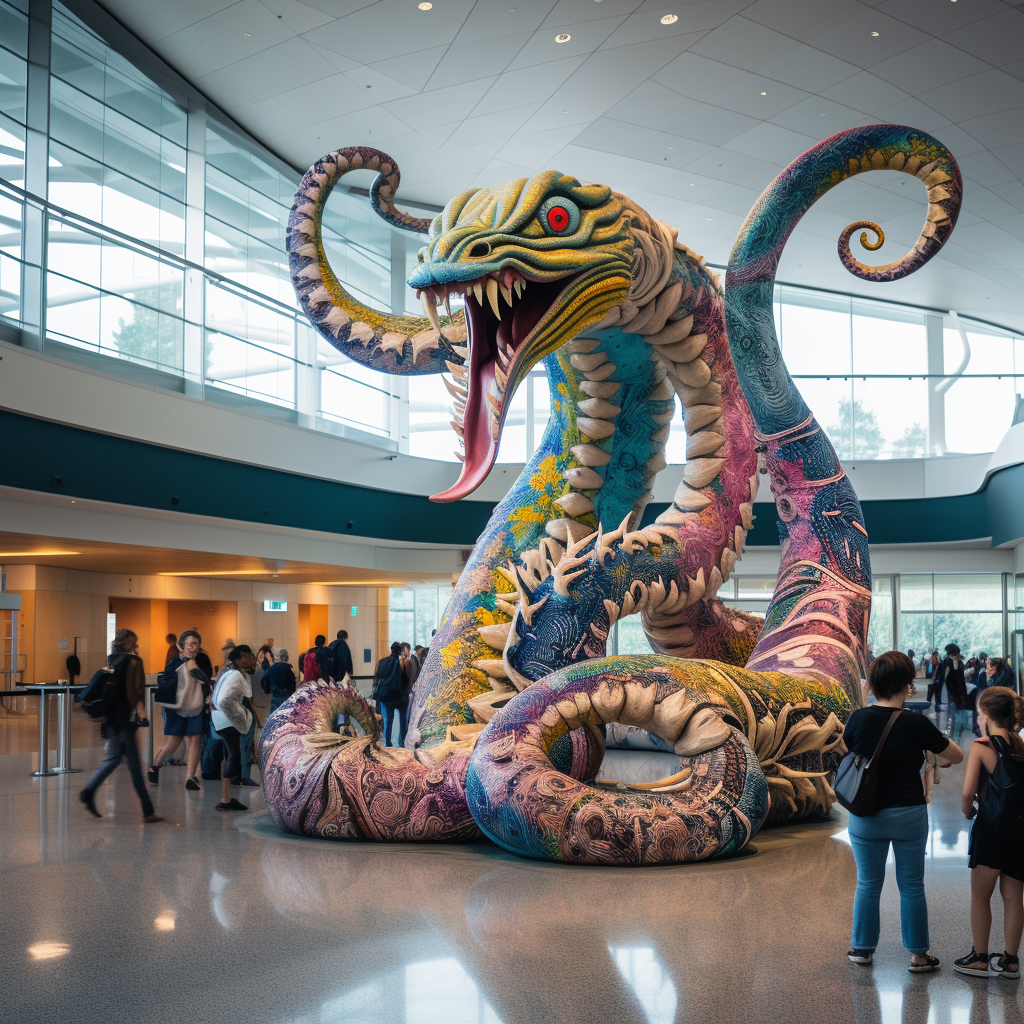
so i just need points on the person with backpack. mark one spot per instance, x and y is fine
(279, 681)
(993, 796)
(895, 742)
(317, 662)
(182, 697)
(341, 657)
(126, 713)
(391, 694)
(232, 716)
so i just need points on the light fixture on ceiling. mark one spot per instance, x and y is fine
(764, 94)
(711, 218)
(565, 111)
(874, 33)
(425, 6)
(35, 554)
(248, 35)
(563, 37)
(670, 19)
(220, 572)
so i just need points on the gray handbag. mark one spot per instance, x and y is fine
(857, 780)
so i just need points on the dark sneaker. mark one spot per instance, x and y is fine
(864, 957)
(975, 965)
(192, 785)
(150, 818)
(232, 805)
(930, 963)
(89, 803)
(1004, 965)
(248, 782)
(153, 775)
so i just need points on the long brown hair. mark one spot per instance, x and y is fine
(1006, 709)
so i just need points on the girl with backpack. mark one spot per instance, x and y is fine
(127, 714)
(995, 767)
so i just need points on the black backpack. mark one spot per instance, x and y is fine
(388, 688)
(1002, 806)
(104, 695)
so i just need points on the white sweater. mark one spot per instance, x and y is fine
(228, 709)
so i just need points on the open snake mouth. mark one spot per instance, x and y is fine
(511, 320)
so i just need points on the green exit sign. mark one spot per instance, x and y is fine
(275, 606)
(355, 611)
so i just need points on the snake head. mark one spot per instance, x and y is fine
(537, 261)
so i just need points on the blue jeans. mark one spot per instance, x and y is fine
(906, 828)
(388, 714)
(122, 745)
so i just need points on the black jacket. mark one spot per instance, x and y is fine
(342, 659)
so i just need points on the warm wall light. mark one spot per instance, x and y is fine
(222, 572)
(164, 923)
(354, 583)
(670, 19)
(563, 37)
(48, 950)
(34, 554)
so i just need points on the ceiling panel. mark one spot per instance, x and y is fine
(473, 91)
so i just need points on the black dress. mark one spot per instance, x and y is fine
(989, 848)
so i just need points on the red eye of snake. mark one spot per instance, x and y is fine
(558, 218)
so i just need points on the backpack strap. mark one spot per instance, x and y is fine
(885, 733)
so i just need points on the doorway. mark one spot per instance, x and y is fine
(153, 619)
(312, 623)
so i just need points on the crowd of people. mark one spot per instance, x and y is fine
(961, 681)
(209, 709)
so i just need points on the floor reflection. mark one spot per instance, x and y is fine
(229, 919)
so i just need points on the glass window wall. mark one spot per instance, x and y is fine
(117, 279)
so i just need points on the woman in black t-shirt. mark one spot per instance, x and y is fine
(902, 818)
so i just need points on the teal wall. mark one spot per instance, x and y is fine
(103, 467)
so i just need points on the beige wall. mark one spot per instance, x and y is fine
(68, 603)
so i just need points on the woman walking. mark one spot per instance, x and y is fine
(902, 816)
(996, 853)
(127, 717)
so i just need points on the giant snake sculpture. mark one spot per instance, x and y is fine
(512, 706)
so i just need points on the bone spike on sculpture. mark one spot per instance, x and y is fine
(623, 316)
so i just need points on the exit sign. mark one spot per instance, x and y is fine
(355, 611)
(275, 606)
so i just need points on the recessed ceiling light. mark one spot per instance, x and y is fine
(425, 6)
(874, 33)
(670, 19)
(764, 94)
(711, 218)
(565, 111)
(247, 34)
(563, 37)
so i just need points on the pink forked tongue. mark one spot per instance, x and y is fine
(481, 446)
(481, 423)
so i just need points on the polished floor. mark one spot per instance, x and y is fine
(211, 917)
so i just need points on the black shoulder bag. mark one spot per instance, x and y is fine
(858, 779)
(1002, 805)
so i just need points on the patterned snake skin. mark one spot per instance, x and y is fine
(511, 707)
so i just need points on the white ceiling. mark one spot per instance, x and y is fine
(475, 92)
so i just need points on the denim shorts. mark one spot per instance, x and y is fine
(180, 725)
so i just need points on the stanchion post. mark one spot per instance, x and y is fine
(64, 709)
(149, 715)
(44, 734)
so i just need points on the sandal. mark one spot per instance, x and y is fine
(931, 963)
(1004, 965)
(974, 965)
